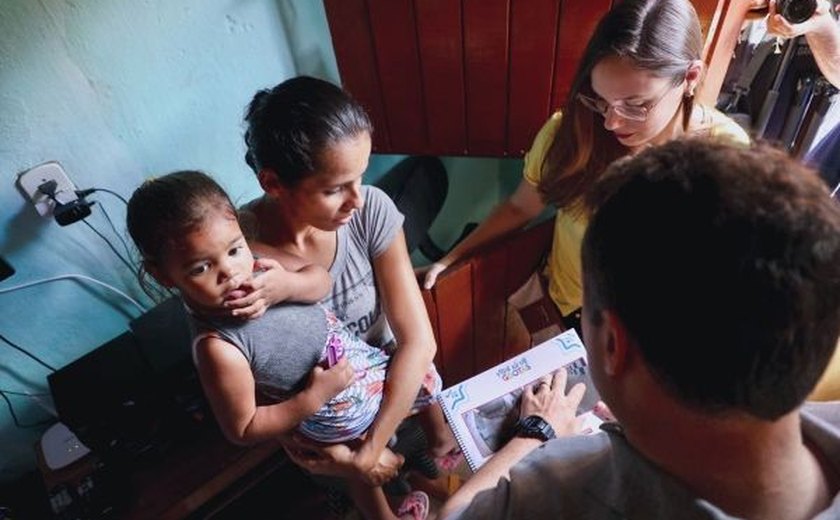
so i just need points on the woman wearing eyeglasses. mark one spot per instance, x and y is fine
(634, 88)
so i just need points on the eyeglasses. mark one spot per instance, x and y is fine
(637, 113)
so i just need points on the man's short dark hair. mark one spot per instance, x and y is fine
(723, 262)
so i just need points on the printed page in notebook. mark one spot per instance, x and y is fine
(483, 409)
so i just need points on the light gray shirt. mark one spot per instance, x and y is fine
(281, 347)
(602, 477)
(355, 298)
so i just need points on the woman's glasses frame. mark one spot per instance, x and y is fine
(638, 113)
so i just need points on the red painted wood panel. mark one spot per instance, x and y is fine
(489, 299)
(578, 20)
(706, 12)
(471, 77)
(397, 58)
(455, 325)
(441, 45)
(468, 304)
(354, 51)
(533, 29)
(486, 66)
(725, 26)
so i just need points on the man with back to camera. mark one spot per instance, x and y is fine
(711, 308)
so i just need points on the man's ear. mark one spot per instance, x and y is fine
(617, 349)
(158, 274)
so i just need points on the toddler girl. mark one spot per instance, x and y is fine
(296, 366)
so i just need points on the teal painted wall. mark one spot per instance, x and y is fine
(117, 91)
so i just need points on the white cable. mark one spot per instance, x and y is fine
(46, 406)
(50, 409)
(833, 193)
(74, 277)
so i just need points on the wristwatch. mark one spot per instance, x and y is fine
(534, 427)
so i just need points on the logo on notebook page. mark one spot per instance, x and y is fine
(513, 369)
(457, 395)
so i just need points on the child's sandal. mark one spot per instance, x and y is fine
(450, 461)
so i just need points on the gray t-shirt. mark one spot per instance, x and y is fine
(601, 476)
(281, 346)
(354, 298)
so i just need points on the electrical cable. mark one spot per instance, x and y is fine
(25, 394)
(81, 194)
(112, 192)
(37, 397)
(24, 351)
(131, 268)
(116, 232)
(15, 417)
(74, 277)
(84, 193)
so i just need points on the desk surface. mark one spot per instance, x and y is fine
(190, 475)
(186, 477)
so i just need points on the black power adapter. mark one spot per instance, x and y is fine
(66, 213)
(72, 211)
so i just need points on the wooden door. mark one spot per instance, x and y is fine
(479, 77)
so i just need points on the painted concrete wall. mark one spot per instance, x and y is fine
(117, 91)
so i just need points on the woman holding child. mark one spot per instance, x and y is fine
(309, 144)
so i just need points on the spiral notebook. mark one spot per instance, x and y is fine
(483, 409)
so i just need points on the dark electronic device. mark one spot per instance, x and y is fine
(136, 394)
(104, 397)
(796, 11)
(66, 214)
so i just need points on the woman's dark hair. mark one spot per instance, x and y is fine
(290, 125)
(661, 37)
(162, 209)
(723, 263)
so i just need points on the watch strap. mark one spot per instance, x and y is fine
(534, 427)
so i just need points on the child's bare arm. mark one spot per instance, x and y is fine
(229, 386)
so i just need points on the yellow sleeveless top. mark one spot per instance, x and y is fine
(563, 267)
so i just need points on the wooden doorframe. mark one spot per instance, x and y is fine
(722, 36)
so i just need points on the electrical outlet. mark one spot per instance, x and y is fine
(29, 181)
